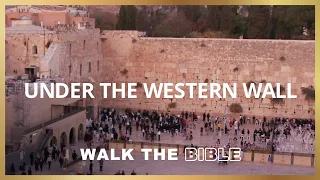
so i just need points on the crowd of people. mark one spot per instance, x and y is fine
(113, 125)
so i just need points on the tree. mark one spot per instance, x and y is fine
(258, 22)
(130, 20)
(192, 13)
(289, 21)
(122, 18)
(142, 22)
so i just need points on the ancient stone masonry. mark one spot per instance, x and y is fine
(184, 60)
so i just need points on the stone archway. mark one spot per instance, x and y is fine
(63, 139)
(72, 136)
(53, 141)
(63, 143)
(80, 132)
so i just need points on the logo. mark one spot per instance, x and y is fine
(212, 154)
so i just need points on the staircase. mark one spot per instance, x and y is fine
(15, 157)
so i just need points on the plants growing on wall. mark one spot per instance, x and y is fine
(206, 80)
(48, 44)
(249, 83)
(204, 105)
(263, 81)
(235, 69)
(203, 45)
(309, 93)
(162, 51)
(124, 71)
(235, 108)
(134, 40)
(278, 100)
(282, 58)
(172, 105)
(139, 84)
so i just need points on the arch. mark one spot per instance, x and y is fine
(80, 132)
(72, 136)
(53, 141)
(34, 49)
(63, 139)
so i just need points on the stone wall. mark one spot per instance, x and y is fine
(20, 51)
(149, 60)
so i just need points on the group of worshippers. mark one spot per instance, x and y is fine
(38, 160)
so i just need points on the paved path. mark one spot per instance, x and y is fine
(181, 167)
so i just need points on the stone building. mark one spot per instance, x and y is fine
(50, 16)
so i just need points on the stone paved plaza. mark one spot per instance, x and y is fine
(181, 167)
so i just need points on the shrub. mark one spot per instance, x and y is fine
(235, 69)
(124, 71)
(309, 93)
(184, 75)
(48, 44)
(235, 108)
(139, 84)
(282, 58)
(281, 89)
(206, 80)
(134, 40)
(172, 105)
(162, 51)
(263, 81)
(249, 83)
(277, 100)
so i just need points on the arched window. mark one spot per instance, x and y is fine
(34, 49)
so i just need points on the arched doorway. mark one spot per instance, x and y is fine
(53, 141)
(80, 132)
(63, 143)
(72, 136)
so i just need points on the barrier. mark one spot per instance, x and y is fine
(296, 159)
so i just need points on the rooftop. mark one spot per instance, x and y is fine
(27, 29)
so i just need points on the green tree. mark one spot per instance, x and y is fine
(121, 24)
(259, 22)
(142, 22)
(131, 15)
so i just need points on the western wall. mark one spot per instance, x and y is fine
(128, 57)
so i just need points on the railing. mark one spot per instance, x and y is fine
(76, 111)
(46, 139)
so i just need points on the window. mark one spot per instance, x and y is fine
(70, 70)
(34, 49)
(80, 69)
(89, 67)
(98, 64)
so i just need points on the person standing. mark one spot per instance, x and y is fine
(91, 167)
(49, 160)
(159, 134)
(101, 164)
(61, 161)
(13, 169)
(31, 158)
(29, 171)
